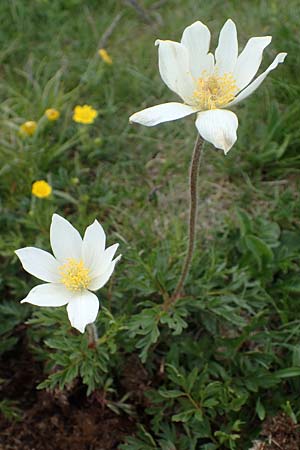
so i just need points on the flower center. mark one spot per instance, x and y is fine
(74, 275)
(214, 91)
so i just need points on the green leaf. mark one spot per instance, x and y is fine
(244, 222)
(191, 379)
(171, 394)
(296, 356)
(291, 285)
(210, 403)
(260, 410)
(288, 373)
(260, 250)
(184, 416)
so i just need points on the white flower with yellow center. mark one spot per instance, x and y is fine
(208, 83)
(77, 267)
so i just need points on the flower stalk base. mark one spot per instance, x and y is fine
(92, 335)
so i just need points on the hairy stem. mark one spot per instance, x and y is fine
(92, 334)
(193, 183)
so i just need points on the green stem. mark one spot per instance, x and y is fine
(193, 183)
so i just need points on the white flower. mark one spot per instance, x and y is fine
(77, 267)
(208, 83)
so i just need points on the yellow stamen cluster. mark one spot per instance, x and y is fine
(41, 189)
(214, 91)
(74, 275)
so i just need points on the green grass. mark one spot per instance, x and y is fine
(241, 317)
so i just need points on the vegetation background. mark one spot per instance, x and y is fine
(208, 373)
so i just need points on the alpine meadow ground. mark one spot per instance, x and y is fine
(220, 367)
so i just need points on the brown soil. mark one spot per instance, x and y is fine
(56, 420)
(280, 433)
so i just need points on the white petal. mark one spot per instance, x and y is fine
(110, 253)
(50, 295)
(104, 261)
(218, 126)
(83, 309)
(100, 281)
(257, 82)
(65, 240)
(196, 39)
(161, 113)
(227, 50)
(173, 62)
(209, 63)
(93, 246)
(39, 263)
(249, 60)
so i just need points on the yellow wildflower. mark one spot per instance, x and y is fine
(41, 189)
(28, 128)
(52, 114)
(84, 114)
(105, 56)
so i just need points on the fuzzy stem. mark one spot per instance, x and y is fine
(92, 334)
(193, 183)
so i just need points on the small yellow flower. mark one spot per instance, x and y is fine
(28, 128)
(84, 114)
(52, 114)
(41, 189)
(105, 56)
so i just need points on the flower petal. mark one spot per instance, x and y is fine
(249, 60)
(227, 50)
(209, 63)
(39, 263)
(83, 309)
(65, 240)
(110, 253)
(257, 82)
(218, 126)
(101, 280)
(50, 295)
(104, 261)
(173, 62)
(93, 246)
(161, 113)
(196, 39)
